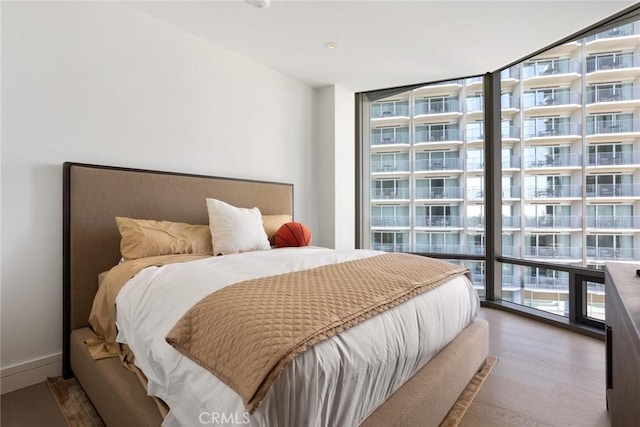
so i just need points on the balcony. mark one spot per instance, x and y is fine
(390, 221)
(437, 135)
(512, 192)
(613, 190)
(510, 132)
(553, 252)
(475, 165)
(509, 102)
(437, 249)
(378, 166)
(559, 130)
(509, 250)
(558, 191)
(427, 165)
(390, 138)
(438, 193)
(606, 254)
(612, 127)
(557, 103)
(549, 284)
(478, 279)
(553, 221)
(608, 95)
(475, 193)
(390, 110)
(475, 249)
(554, 161)
(613, 222)
(475, 221)
(610, 62)
(424, 107)
(550, 73)
(389, 193)
(439, 221)
(475, 135)
(616, 32)
(390, 247)
(614, 159)
(512, 162)
(510, 221)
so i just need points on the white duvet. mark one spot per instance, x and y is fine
(338, 382)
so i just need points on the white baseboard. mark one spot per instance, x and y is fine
(25, 374)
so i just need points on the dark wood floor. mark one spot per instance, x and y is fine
(545, 377)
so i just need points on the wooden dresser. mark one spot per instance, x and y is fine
(623, 343)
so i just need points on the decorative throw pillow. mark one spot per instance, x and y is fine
(235, 229)
(272, 223)
(293, 234)
(145, 237)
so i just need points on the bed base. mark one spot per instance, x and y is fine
(423, 400)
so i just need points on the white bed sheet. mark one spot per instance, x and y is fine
(338, 382)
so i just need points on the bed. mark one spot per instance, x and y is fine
(94, 195)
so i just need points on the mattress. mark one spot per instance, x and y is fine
(337, 382)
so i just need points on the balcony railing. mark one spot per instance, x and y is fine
(603, 94)
(554, 161)
(478, 279)
(437, 165)
(613, 190)
(510, 132)
(510, 73)
(389, 110)
(625, 254)
(474, 134)
(558, 191)
(553, 252)
(390, 247)
(609, 159)
(621, 31)
(563, 66)
(475, 221)
(438, 221)
(390, 138)
(438, 249)
(510, 221)
(475, 104)
(540, 130)
(475, 193)
(509, 101)
(475, 249)
(546, 283)
(438, 193)
(509, 250)
(610, 62)
(437, 107)
(615, 222)
(389, 193)
(511, 162)
(390, 166)
(608, 127)
(437, 135)
(559, 98)
(512, 192)
(475, 164)
(390, 221)
(553, 221)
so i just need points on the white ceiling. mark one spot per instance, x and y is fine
(383, 44)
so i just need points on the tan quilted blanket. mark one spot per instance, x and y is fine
(248, 332)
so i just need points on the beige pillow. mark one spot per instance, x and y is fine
(145, 237)
(272, 223)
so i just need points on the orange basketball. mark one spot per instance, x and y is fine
(292, 234)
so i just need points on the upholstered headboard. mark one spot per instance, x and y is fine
(94, 195)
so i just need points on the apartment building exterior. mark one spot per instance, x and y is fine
(570, 167)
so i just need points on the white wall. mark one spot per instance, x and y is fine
(103, 83)
(335, 163)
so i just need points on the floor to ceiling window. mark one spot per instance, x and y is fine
(568, 141)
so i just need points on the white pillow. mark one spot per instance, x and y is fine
(235, 229)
